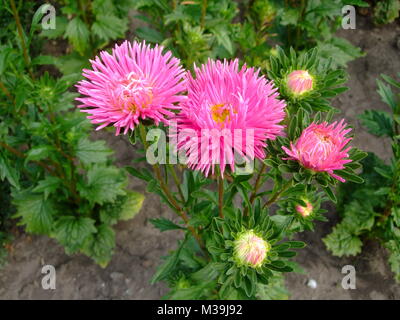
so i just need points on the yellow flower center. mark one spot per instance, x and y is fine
(220, 113)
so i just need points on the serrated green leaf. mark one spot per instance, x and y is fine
(109, 27)
(342, 243)
(8, 172)
(164, 224)
(78, 34)
(100, 245)
(72, 231)
(378, 123)
(48, 185)
(38, 153)
(132, 205)
(103, 184)
(223, 38)
(92, 151)
(36, 212)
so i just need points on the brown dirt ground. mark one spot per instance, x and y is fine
(140, 245)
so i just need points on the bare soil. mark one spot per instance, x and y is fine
(140, 246)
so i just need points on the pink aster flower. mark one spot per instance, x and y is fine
(250, 249)
(305, 211)
(237, 108)
(134, 82)
(322, 148)
(299, 82)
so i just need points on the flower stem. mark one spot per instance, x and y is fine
(256, 187)
(278, 194)
(203, 14)
(21, 36)
(221, 196)
(303, 7)
(169, 196)
(177, 182)
(21, 155)
(257, 183)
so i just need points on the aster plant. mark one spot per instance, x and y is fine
(251, 158)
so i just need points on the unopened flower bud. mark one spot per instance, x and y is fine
(305, 211)
(299, 82)
(250, 249)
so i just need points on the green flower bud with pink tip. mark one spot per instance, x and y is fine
(300, 82)
(305, 211)
(250, 249)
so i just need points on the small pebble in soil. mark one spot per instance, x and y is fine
(115, 276)
(312, 284)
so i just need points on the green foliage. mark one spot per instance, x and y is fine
(164, 224)
(274, 290)
(88, 26)
(378, 123)
(313, 23)
(371, 210)
(386, 11)
(197, 30)
(60, 183)
(78, 34)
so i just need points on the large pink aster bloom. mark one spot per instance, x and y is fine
(236, 107)
(134, 82)
(322, 148)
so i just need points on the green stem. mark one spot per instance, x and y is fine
(21, 36)
(257, 183)
(177, 182)
(170, 197)
(277, 194)
(221, 196)
(21, 155)
(303, 7)
(203, 14)
(82, 8)
(256, 187)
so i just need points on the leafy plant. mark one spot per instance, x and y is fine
(303, 25)
(197, 30)
(386, 11)
(63, 185)
(372, 209)
(88, 26)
